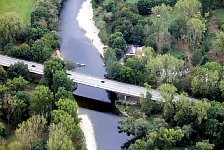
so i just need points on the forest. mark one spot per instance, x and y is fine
(182, 53)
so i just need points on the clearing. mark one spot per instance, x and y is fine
(22, 8)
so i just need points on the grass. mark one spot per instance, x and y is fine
(132, 1)
(219, 14)
(22, 8)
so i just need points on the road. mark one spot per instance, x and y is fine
(88, 80)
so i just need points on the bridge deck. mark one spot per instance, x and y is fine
(88, 80)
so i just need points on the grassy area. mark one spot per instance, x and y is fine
(219, 14)
(132, 1)
(22, 8)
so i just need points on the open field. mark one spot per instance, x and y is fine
(22, 8)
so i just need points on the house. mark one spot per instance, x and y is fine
(132, 50)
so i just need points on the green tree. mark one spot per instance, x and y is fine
(50, 68)
(204, 145)
(200, 109)
(196, 58)
(187, 8)
(10, 29)
(18, 69)
(196, 28)
(117, 40)
(183, 112)
(167, 91)
(17, 84)
(8, 105)
(41, 100)
(41, 51)
(60, 79)
(69, 106)
(159, 17)
(63, 94)
(32, 129)
(219, 41)
(146, 102)
(178, 29)
(58, 139)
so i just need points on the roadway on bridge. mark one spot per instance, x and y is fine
(88, 80)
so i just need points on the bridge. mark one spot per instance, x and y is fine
(110, 85)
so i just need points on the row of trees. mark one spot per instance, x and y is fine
(44, 118)
(179, 123)
(35, 41)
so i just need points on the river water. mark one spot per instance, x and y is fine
(75, 46)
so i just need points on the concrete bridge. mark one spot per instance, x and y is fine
(110, 85)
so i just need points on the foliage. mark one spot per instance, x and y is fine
(18, 69)
(17, 84)
(32, 129)
(58, 139)
(41, 100)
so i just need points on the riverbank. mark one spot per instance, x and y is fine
(89, 134)
(85, 21)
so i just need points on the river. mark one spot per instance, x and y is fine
(75, 46)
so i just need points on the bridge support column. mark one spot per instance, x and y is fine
(125, 98)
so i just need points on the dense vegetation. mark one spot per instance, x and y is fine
(183, 47)
(33, 41)
(40, 116)
(174, 124)
(181, 44)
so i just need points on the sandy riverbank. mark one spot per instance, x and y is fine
(85, 21)
(88, 131)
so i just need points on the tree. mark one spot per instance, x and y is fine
(69, 106)
(195, 29)
(117, 40)
(17, 84)
(60, 79)
(183, 112)
(8, 105)
(165, 138)
(199, 110)
(159, 17)
(58, 139)
(18, 69)
(146, 103)
(144, 7)
(3, 75)
(109, 5)
(50, 67)
(187, 8)
(41, 51)
(63, 94)
(178, 29)
(167, 91)
(204, 145)
(41, 100)
(165, 67)
(219, 41)
(196, 58)
(113, 69)
(29, 131)
(10, 29)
